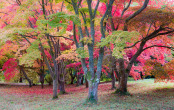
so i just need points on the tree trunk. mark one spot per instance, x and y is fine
(55, 87)
(20, 80)
(113, 80)
(26, 77)
(72, 77)
(86, 83)
(62, 87)
(93, 90)
(82, 77)
(77, 84)
(42, 79)
(122, 85)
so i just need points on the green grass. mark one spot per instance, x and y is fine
(145, 95)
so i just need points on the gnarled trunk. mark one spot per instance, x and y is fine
(122, 84)
(93, 92)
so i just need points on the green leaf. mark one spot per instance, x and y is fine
(119, 39)
(82, 53)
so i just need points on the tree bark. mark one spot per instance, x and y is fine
(92, 93)
(55, 87)
(122, 85)
(61, 87)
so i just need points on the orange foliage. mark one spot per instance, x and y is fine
(161, 72)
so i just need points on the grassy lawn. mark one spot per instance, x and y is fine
(145, 95)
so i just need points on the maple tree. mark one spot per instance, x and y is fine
(148, 25)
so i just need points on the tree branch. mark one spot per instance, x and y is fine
(126, 8)
(61, 36)
(135, 14)
(96, 7)
(132, 45)
(172, 48)
(84, 19)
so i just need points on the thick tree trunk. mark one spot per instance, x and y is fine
(122, 85)
(93, 90)
(113, 80)
(55, 87)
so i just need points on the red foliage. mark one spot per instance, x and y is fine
(47, 54)
(10, 68)
(64, 47)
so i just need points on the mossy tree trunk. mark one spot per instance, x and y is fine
(93, 92)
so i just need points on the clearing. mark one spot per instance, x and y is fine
(145, 94)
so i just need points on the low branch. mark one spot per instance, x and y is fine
(61, 36)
